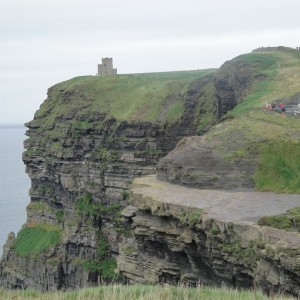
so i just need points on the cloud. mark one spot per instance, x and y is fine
(44, 42)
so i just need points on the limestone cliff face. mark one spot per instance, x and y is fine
(88, 164)
(81, 162)
(188, 236)
(81, 166)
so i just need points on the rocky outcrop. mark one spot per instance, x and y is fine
(233, 82)
(195, 162)
(188, 236)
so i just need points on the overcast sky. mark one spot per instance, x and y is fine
(45, 42)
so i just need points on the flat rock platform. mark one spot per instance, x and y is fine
(245, 206)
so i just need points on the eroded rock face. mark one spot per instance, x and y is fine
(232, 83)
(65, 170)
(197, 240)
(196, 163)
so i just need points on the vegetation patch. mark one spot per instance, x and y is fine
(191, 219)
(214, 229)
(36, 205)
(54, 261)
(86, 207)
(279, 168)
(60, 216)
(139, 292)
(206, 110)
(103, 265)
(94, 211)
(44, 190)
(123, 97)
(105, 155)
(247, 254)
(289, 221)
(104, 268)
(125, 195)
(36, 239)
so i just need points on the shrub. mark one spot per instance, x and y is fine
(192, 218)
(289, 221)
(125, 195)
(60, 215)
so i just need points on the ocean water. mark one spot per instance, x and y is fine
(14, 182)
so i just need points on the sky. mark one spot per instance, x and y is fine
(46, 42)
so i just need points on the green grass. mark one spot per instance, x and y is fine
(192, 218)
(279, 167)
(36, 239)
(271, 137)
(252, 101)
(141, 292)
(289, 221)
(37, 205)
(154, 97)
(260, 61)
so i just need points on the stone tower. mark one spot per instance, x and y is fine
(106, 68)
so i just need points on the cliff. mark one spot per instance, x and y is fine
(93, 135)
(189, 236)
(81, 159)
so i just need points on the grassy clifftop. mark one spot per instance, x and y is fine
(280, 68)
(249, 129)
(154, 97)
(159, 97)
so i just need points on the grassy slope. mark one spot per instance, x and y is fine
(281, 66)
(249, 129)
(134, 292)
(154, 97)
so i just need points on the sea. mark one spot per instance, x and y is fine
(14, 182)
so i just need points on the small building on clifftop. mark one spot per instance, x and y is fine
(106, 68)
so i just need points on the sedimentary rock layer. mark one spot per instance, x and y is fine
(190, 236)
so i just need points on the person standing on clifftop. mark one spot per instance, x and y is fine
(282, 108)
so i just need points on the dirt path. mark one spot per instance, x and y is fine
(239, 206)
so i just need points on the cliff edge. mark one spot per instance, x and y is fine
(189, 236)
